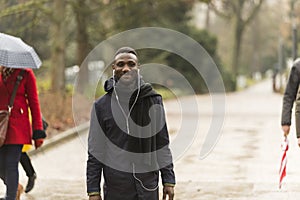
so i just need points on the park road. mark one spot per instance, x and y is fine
(243, 165)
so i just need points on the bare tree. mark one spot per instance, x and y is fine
(56, 15)
(241, 12)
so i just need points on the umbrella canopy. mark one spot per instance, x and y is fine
(282, 170)
(15, 53)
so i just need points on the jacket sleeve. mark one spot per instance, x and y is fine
(164, 155)
(33, 100)
(93, 174)
(95, 155)
(290, 95)
(165, 160)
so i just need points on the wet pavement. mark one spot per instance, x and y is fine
(243, 165)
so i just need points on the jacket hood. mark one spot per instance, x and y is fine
(146, 88)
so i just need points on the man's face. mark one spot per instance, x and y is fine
(126, 67)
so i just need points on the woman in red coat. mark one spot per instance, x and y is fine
(20, 131)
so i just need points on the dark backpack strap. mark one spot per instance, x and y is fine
(14, 93)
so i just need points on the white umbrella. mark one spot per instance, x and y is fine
(15, 53)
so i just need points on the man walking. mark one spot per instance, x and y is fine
(292, 95)
(128, 138)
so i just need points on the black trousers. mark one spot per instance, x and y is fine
(9, 162)
(26, 164)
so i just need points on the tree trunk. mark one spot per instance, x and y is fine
(238, 33)
(82, 11)
(207, 18)
(58, 47)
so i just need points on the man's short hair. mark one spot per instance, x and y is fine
(125, 50)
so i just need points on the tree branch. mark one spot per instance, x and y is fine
(19, 8)
(254, 12)
(213, 6)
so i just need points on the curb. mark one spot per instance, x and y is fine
(60, 138)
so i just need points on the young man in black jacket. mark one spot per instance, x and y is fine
(128, 138)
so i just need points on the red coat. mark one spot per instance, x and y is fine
(20, 128)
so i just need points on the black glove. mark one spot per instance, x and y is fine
(38, 134)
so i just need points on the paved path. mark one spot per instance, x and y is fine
(243, 165)
(245, 162)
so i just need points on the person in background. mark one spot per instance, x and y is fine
(120, 119)
(291, 95)
(20, 131)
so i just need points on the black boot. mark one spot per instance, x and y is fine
(30, 183)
